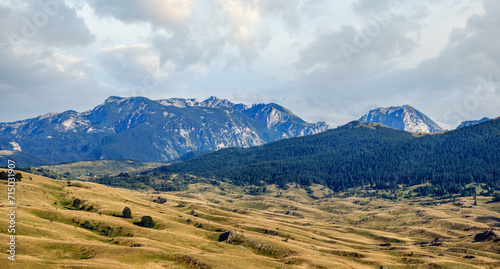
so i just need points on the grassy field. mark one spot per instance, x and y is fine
(278, 229)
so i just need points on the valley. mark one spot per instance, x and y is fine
(291, 227)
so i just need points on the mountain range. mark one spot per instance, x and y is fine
(148, 130)
(138, 128)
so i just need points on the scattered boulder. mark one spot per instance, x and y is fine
(469, 257)
(486, 236)
(224, 236)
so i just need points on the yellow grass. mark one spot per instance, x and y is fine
(290, 231)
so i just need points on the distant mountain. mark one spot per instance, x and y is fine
(360, 154)
(141, 129)
(405, 118)
(278, 118)
(472, 122)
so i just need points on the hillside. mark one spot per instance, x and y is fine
(361, 154)
(278, 229)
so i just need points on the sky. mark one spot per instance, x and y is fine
(325, 60)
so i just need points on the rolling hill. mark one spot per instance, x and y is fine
(292, 228)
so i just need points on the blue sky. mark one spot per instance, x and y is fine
(324, 60)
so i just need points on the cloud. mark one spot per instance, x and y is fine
(44, 23)
(187, 36)
(128, 65)
(171, 14)
(36, 76)
(373, 72)
(37, 82)
(330, 60)
(352, 52)
(184, 50)
(467, 71)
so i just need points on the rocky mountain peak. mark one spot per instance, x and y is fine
(472, 122)
(403, 117)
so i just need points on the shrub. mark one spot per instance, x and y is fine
(87, 225)
(147, 221)
(77, 203)
(127, 213)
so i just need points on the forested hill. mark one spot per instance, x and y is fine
(359, 154)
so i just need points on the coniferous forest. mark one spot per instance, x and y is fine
(360, 154)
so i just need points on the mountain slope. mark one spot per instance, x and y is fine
(358, 154)
(283, 120)
(404, 118)
(472, 122)
(141, 129)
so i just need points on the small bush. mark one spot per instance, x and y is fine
(127, 213)
(147, 221)
(77, 203)
(87, 225)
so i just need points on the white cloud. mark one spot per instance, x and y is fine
(128, 65)
(45, 23)
(172, 14)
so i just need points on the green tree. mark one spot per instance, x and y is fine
(127, 213)
(147, 221)
(77, 203)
